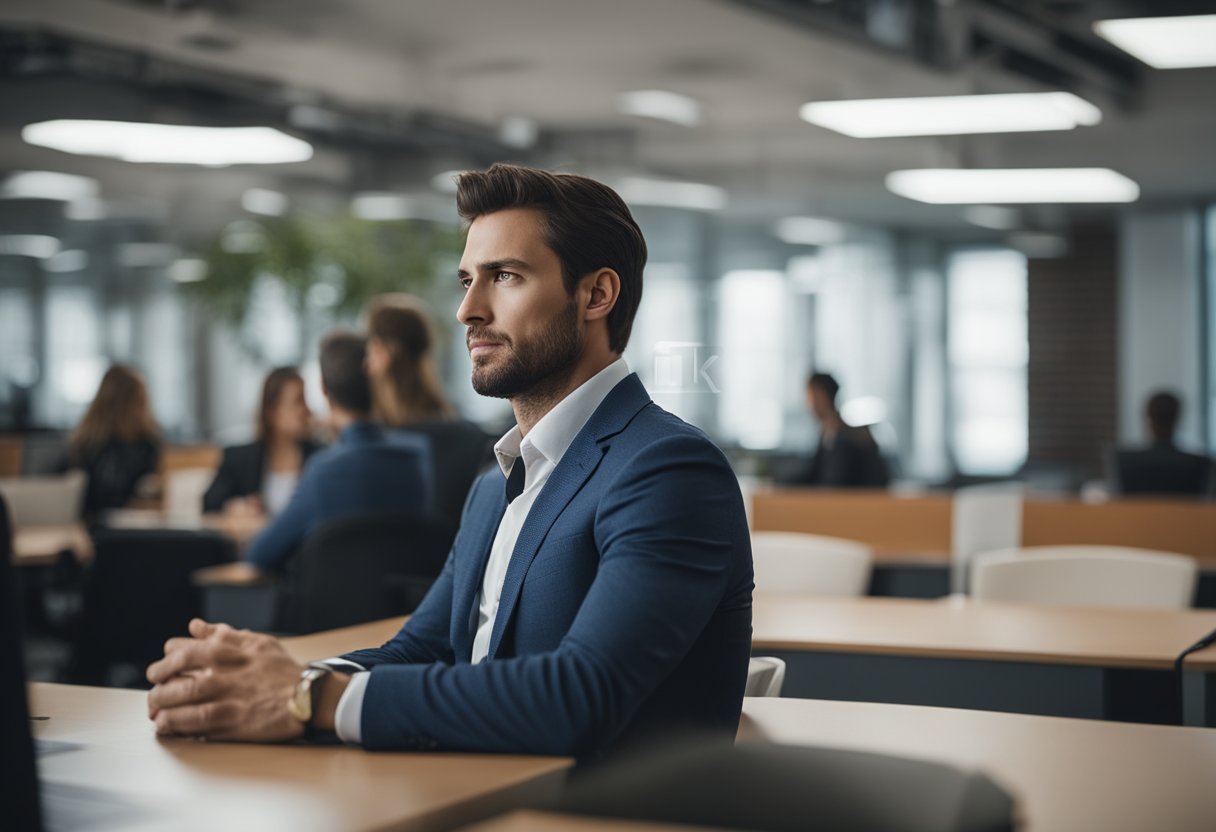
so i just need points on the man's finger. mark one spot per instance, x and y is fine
(185, 690)
(205, 719)
(195, 655)
(201, 629)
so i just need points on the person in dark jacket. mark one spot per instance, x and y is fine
(117, 443)
(1162, 468)
(847, 456)
(261, 476)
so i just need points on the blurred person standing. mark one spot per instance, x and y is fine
(260, 477)
(408, 397)
(1162, 467)
(847, 456)
(365, 472)
(117, 444)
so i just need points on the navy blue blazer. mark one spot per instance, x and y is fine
(364, 473)
(625, 612)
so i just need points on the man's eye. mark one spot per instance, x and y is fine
(505, 276)
(466, 282)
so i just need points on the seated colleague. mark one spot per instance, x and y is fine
(847, 456)
(599, 589)
(362, 474)
(1162, 468)
(117, 443)
(407, 395)
(261, 476)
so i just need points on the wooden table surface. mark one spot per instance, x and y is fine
(966, 629)
(188, 784)
(525, 820)
(336, 642)
(1067, 774)
(41, 545)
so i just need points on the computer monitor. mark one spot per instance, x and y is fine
(19, 803)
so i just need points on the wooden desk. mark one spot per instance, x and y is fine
(1066, 774)
(199, 785)
(1101, 663)
(344, 640)
(41, 545)
(241, 528)
(532, 821)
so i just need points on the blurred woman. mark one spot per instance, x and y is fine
(260, 477)
(117, 444)
(407, 395)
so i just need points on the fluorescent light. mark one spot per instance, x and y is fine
(992, 216)
(518, 132)
(1038, 245)
(638, 190)
(445, 182)
(663, 105)
(864, 411)
(188, 270)
(951, 186)
(809, 231)
(38, 246)
(1164, 42)
(72, 260)
(146, 255)
(952, 114)
(383, 207)
(265, 202)
(169, 143)
(45, 184)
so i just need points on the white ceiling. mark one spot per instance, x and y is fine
(563, 63)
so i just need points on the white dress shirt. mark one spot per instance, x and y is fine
(541, 449)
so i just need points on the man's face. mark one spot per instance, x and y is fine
(524, 330)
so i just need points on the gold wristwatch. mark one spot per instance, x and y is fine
(303, 700)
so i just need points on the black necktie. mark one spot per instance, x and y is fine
(515, 482)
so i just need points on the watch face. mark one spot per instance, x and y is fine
(300, 703)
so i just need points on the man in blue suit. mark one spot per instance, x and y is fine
(599, 589)
(364, 473)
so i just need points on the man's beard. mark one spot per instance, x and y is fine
(531, 369)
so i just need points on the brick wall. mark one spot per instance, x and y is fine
(1073, 371)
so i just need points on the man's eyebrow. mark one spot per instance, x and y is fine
(499, 265)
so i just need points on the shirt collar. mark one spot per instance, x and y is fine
(552, 435)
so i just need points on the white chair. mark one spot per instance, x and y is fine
(44, 501)
(184, 490)
(984, 518)
(765, 675)
(794, 562)
(1088, 576)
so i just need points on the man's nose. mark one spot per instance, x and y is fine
(475, 307)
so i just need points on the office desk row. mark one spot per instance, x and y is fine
(1092, 663)
(1064, 774)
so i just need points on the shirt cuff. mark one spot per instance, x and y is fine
(348, 718)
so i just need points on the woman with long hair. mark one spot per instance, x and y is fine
(407, 395)
(260, 477)
(117, 443)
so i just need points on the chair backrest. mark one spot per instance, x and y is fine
(784, 788)
(984, 518)
(795, 562)
(1107, 576)
(458, 454)
(765, 676)
(138, 593)
(363, 568)
(45, 501)
(184, 490)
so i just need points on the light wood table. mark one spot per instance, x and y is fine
(332, 643)
(1066, 774)
(525, 820)
(1105, 663)
(241, 528)
(41, 545)
(185, 784)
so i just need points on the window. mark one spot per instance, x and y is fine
(751, 315)
(1209, 327)
(988, 353)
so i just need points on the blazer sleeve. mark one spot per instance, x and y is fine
(669, 529)
(288, 530)
(223, 487)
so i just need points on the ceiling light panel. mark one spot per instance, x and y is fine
(952, 114)
(951, 186)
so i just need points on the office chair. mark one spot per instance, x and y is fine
(137, 594)
(795, 562)
(983, 518)
(362, 568)
(1105, 576)
(781, 788)
(765, 676)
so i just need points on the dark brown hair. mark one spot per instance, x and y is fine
(272, 390)
(1163, 410)
(120, 411)
(409, 391)
(343, 356)
(586, 223)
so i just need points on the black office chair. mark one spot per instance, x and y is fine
(137, 594)
(459, 452)
(362, 568)
(781, 788)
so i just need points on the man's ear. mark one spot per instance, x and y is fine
(603, 289)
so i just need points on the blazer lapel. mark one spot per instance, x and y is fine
(488, 509)
(573, 470)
